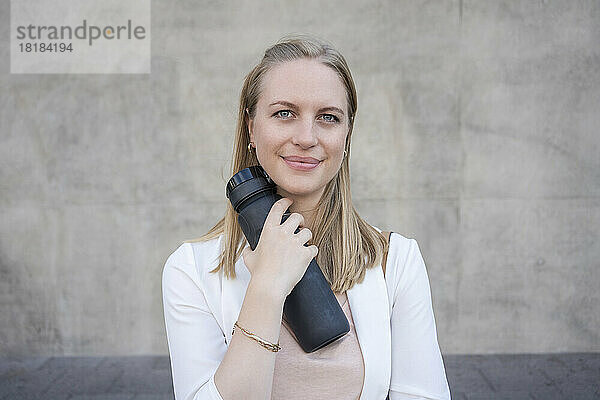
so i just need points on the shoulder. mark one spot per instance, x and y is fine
(400, 245)
(401, 258)
(194, 259)
(407, 271)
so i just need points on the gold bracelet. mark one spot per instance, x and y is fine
(267, 345)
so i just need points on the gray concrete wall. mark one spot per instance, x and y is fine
(477, 134)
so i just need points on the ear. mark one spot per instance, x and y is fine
(250, 123)
(251, 129)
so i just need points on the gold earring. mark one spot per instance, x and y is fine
(250, 147)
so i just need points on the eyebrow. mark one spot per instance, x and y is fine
(292, 105)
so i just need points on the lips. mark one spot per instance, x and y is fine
(306, 160)
(307, 163)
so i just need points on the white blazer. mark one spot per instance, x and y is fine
(393, 318)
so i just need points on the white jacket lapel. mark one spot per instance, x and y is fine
(369, 305)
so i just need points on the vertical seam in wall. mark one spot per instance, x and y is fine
(459, 89)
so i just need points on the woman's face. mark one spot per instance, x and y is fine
(301, 112)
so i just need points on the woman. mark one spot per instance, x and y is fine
(223, 302)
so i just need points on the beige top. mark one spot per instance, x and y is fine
(335, 371)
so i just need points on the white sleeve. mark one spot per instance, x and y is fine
(196, 342)
(417, 366)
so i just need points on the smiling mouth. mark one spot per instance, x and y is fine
(301, 166)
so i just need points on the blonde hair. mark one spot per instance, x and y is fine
(347, 244)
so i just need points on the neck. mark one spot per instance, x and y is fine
(305, 205)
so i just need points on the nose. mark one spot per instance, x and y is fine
(306, 134)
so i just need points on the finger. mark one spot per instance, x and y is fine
(293, 222)
(277, 210)
(314, 250)
(304, 235)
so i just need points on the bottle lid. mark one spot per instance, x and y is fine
(246, 183)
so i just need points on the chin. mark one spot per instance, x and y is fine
(296, 190)
(301, 190)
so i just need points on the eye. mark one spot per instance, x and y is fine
(283, 114)
(330, 118)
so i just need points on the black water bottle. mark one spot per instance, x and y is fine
(311, 309)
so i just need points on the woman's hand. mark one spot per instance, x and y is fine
(280, 258)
